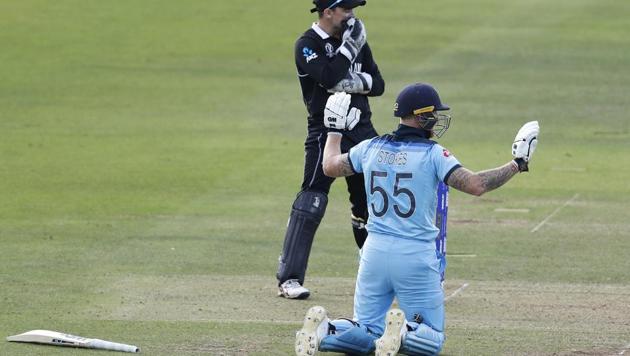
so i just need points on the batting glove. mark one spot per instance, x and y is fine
(354, 37)
(525, 144)
(336, 114)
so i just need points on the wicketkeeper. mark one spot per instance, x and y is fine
(332, 56)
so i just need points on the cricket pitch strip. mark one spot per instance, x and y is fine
(520, 316)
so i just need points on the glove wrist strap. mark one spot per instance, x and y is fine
(521, 164)
(347, 53)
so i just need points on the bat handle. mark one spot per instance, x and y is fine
(114, 346)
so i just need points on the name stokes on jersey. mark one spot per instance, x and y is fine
(392, 158)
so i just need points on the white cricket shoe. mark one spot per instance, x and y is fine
(395, 328)
(292, 289)
(313, 331)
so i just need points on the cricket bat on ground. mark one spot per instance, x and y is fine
(60, 339)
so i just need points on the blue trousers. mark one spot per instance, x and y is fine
(403, 268)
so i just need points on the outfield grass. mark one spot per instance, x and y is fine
(150, 152)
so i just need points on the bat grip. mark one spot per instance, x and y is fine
(114, 346)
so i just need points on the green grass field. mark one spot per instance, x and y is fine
(150, 152)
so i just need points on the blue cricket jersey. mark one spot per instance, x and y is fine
(402, 171)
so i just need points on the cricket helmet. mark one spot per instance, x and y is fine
(423, 101)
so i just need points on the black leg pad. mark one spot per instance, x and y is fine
(307, 212)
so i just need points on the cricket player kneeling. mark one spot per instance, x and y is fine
(402, 172)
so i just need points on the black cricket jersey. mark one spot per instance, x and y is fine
(320, 68)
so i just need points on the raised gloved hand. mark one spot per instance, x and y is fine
(354, 82)
(354, 37)
(336, 114)
(525, 144)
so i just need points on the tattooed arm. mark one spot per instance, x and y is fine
(335, 164)
(478, 183)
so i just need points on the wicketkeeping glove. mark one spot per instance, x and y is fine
(354, 37)
(336, 114)
(354, 82)
(525, 144)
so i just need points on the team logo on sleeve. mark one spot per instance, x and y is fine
(309, 54)
(446, 153)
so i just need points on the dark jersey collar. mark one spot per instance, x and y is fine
(408, 133)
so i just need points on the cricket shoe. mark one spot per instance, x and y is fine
(395, 328)
(292, 289)
(313, 331)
